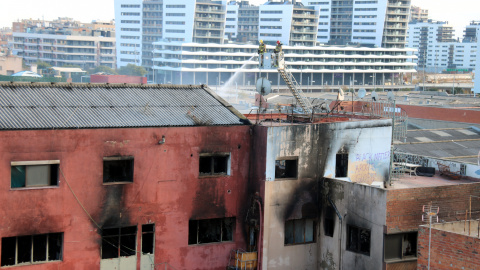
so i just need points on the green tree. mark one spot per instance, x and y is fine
(43, 65)
(132, 70)
(103, 69)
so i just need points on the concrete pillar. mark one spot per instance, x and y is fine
(343, 78)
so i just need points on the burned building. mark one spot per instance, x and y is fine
(120, 176)
(294, 163)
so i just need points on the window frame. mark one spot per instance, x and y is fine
(329, 217)
(343, 157)
(119, 158)
(233, 221)
(403, 257)
(287, 158)
(119, 236)
(314, 231)
(32, 250)
(212, 169)
(358, 248)
(53, 165)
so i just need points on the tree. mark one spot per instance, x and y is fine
(103, 69)
(132, 70)
(43, 65)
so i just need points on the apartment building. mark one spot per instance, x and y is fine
(66, 42)
(437, 49)
(212, 64)
(471, 32)
(418, 14)
(374, 23)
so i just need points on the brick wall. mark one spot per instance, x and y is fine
(412, 265)
(404, 206)
(432, 113)
(448, 250)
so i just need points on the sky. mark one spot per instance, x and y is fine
(457, 12)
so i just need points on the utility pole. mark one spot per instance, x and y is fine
(430, 212)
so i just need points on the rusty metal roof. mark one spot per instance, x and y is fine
(66, 106)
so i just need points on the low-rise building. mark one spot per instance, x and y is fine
(121, 176)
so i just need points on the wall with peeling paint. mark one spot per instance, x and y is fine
(315, 146)
(166, 191)
(361, 206)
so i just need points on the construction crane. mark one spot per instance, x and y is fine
(287, 76)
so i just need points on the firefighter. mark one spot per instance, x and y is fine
(277, 51)
(261, 51)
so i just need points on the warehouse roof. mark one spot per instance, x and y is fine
(66, 106)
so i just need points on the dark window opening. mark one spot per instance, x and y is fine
(329, 221)
(300, 231)
(117, 170)
(31, 249)
(341, 165)
(34, 175)
(400, 246)
(286, 168)
(119, 242)
(148, 238)
(358, 240)
(210, 230)
(214, 164)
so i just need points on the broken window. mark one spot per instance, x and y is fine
(329, 221)
(34, 173)
(286, 168)
(358, 240)
(148, 238)
(32, 249)
(119, 242)
(214, 164)
(300, 231)
(400, 246)
(211, 230)
(117, 169)
(341, 165)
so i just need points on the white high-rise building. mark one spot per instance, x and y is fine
(437, 50)
(375, 23)
(128, 14)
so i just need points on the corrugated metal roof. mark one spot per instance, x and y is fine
(63, 105)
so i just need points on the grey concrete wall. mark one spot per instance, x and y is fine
(361, 206)
(316, 146)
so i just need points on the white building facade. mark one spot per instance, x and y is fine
(374, 23)
(437, 50)
(128, 27)
(213, 64)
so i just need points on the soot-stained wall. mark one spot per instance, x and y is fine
(361, 206)
(315, 147)
(166, 191)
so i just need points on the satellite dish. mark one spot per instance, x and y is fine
(264, 87)
(391, 96)
(374, 96)
(362, 92)
(341, 95)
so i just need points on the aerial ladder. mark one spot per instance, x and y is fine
(287, 76)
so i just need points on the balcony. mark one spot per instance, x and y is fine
(209, 19)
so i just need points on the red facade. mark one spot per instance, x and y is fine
(167, 191)
(117, 79)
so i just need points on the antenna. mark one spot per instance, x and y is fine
(341, 95)
(391, 96)
(430, 212)
(362, 93)
(374, 96)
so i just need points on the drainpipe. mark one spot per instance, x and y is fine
(260, 241)
(341, 232)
